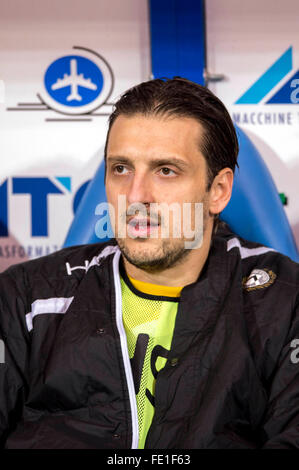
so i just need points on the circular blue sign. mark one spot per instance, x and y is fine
(73, 81)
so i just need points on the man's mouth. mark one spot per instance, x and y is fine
(142, 227)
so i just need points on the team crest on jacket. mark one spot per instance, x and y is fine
(258, 279)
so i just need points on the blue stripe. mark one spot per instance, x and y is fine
(178, 39)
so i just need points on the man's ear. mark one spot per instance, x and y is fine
(221, 190)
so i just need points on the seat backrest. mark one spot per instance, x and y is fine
(255, 211)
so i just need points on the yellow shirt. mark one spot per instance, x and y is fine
(149, 313)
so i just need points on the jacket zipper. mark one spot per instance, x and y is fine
(124, 349)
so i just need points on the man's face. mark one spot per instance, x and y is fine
(155, 160)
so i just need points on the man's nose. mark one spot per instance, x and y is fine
(140, 189)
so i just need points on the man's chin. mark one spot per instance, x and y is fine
(152, 257)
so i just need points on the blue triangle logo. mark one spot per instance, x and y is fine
(268, 80)
(65, 181)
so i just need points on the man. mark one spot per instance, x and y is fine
(183, 340)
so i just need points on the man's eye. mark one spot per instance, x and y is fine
(119, 169)
(167, 171)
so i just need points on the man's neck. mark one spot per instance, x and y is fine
(182, 274)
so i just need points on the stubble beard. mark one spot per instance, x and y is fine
(166, 256)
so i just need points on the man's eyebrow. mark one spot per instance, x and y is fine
(118, 159)
(169, 161)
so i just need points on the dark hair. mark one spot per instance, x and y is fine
(181, 97)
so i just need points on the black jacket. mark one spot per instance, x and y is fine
(232, 375)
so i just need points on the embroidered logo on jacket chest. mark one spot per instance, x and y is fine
(258, 279)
